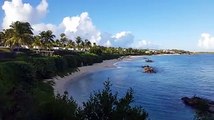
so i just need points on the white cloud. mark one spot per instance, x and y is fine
(42, 8)
(108, 44)
(71, 23)
(206, 41)
(81, 25)
(120, 35)
(143, 44)
(43, 27)
(73, 26)
(122, 39)
(16, 10)
(125, 39)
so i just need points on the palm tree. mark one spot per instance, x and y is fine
(94, 44)
(6, 38)
(82, 45)
(63, 39)
(37, 43)
(47, 38)
(57, 43)
(2, 37)
(78, 41)
(71, 44)
(87, 43)
(19, 34)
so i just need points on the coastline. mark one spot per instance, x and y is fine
(60, 82)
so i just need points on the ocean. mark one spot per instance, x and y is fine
(158, 93)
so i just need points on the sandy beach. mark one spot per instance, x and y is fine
(60, 82)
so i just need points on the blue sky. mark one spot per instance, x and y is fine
(164, 23)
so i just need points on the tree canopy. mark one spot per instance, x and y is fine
(19, 33)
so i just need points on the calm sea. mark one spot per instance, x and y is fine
(159, 94)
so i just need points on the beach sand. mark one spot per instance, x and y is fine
(60, 82)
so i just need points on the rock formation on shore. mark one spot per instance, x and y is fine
(199, 103)
(148, 60)
(148, 69)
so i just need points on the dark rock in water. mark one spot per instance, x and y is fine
(199, 103)
(148, 69)
(148, 60)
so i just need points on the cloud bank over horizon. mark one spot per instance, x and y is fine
(73, 26)
(206, 41)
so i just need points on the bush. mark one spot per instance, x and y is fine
(104, 105)
(60, 63)
(96, 50)
(110, 56)
(16, 71)
(79, 60)
(16, 80)
(59, 108)
(64, 52)
(98, 59)
(44, 67)
(87, 60)
(90, 58)
(72, 61)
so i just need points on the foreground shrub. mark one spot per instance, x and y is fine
(16, 80)
(60, 108)
(104, 105)
(16, 71)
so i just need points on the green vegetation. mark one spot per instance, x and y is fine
(26, 95)
(20, 35)
(104, 105)
(28, 59)
(23, 96)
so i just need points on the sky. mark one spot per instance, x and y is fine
(154, 24)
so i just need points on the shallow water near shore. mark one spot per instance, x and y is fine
(159, 94)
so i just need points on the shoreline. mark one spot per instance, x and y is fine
(61, 82)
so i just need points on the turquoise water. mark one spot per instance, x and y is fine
(159, 94)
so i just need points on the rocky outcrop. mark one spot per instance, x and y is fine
(148, 60)
(199, 103)
(148, 69)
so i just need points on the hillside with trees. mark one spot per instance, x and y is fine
(26, 60)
